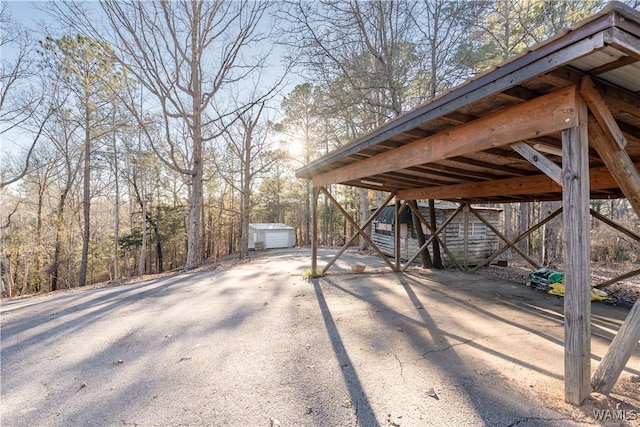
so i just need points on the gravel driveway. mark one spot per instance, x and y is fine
(256, 345)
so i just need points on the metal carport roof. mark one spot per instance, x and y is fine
(605, 47)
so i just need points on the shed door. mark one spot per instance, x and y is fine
(277, 239)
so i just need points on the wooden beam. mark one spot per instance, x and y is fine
(314, 232)
(600, 179)
(618, 352)
(551, 56)
(577, 303)
(614, 96)
(617, 160)
(544, 115)
(601, 112)
(538, 159)
(613, 65)
(396, 234)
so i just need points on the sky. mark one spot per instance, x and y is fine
(29, 15)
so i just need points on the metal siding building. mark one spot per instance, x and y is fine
(271, 235)
(481, 242)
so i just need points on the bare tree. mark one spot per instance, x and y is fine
(251, 152)
(444, 26)
(363, 53)
(91, 77)
(61, 133)
(185, 54)
(21, 100)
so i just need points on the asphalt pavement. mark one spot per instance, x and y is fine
(254, 344)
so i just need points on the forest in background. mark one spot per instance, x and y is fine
(142, 137)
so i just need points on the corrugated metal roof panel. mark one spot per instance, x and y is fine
(627, 77)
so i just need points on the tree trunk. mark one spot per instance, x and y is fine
(143, 246)
(523, 225)
(363, 196)
(39, 243)
(437, 257)
(417, 226)
(55, 265)
(197, 192)
(245, 206)
(86, 197)
(508, 228)
(116, 217)
(156, 232)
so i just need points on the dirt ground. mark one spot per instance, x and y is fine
(253, 343)
(625, 292)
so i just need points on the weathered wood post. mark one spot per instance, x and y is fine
(465, 222)
(619, 352)
(396, 235)
(575, 215)
(314, 231)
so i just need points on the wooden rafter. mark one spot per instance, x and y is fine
(600, 179)
(613, 65)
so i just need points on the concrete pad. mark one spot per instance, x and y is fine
(255, 344)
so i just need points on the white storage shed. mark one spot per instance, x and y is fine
(271, 235)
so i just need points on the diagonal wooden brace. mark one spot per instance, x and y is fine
(511, 244)
(359, 231)
(434, 235)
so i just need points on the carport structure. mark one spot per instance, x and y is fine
(558, 122)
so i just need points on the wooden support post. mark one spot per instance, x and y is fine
(618, 352)
(577, 303)
(396, 235)
(314, 232)
(465, 220)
